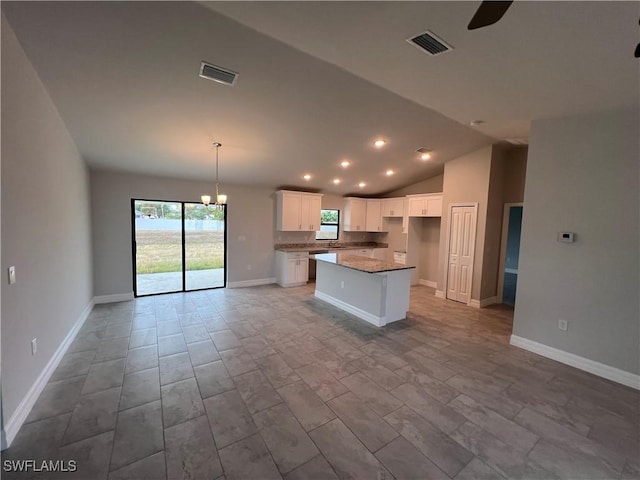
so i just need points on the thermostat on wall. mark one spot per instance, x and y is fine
(566, 237)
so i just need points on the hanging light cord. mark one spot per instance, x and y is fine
(217, 145)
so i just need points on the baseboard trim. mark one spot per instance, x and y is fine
(251, 283)
(116, 297)
(485, 302)
(366, 316)
(439, 294)
(600, 369)
(428, 283)
(24, 407)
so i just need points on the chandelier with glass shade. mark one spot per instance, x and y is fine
(221, 199)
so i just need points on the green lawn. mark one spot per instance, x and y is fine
(160, 251)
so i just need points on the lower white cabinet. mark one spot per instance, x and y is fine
(380, 253)
(292, 268)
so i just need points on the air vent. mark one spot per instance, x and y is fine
(217, 74)
(430, 43)
(423, 150)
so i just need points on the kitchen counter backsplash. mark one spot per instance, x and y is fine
(327, 245)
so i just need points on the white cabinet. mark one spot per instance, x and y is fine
(292, 268)
(374, 216)
(428, 205)
(355, 214)
(380, 253)
(363, 252)
(362, 215)
(298, 211)
(393, 207)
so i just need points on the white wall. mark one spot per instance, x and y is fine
(582, 176)
(250, 215)
(45, 226)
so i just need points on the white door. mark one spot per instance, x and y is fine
(462, 233)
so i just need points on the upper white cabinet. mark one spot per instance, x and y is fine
(362, 214)
(298, 211)
(374, 215)
(355, 214)
(393, 207)
(427, 205)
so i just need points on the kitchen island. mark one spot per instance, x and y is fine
(373, 290)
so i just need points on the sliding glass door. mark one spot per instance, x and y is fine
(204, 235)
(177, 246)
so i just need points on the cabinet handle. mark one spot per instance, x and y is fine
(300, 227)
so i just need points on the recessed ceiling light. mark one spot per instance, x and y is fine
(379, 143)
(336, 181)
(425, 156)
(388, 173)
(362, 184)
(345, 163)
(307, 176)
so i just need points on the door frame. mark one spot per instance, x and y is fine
(183, 250)
(474, 227)
(503, 245)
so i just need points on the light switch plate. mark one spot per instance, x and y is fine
(12, 275)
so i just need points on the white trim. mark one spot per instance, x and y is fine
(369, 317)
(428, 283)
(474, 227)
(439, 294)
(600, 369)
(251, 283)
(24, 407)
(117, 297)
(503, 247)
(485, 302)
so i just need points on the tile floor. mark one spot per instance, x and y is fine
(266, 382)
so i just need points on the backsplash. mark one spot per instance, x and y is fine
(345, 237)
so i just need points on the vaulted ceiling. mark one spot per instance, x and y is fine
(318, 82)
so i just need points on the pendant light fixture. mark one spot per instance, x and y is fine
(221, 199)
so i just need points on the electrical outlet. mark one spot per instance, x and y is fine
(12, 275)
(34, 346)
(563, 325)
(341, 283)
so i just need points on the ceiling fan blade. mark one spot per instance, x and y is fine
(488, 13)
(637, 52)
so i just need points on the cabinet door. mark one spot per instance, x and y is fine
(302, 272)
(291, 273)
(374, 218)
(387, 207)
(315, 206)
(397, 207)
(355, 215)
(380, 253)
(291, 212)
(417, 207)
(434, 206)
(305, 212)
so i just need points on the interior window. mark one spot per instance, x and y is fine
(329, 225)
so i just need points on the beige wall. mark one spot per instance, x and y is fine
(466, 180)
(250, 225)
(583, 177)
(430, 185)
(515, 171)
(45, 226)
(429, 249)
(493, 226)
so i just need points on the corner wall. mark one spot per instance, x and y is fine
(46, 228)
(582, 177)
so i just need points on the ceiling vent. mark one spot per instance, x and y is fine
(424, 150)
(430, 43)
(217, 74)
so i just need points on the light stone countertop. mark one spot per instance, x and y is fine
(356, 262)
